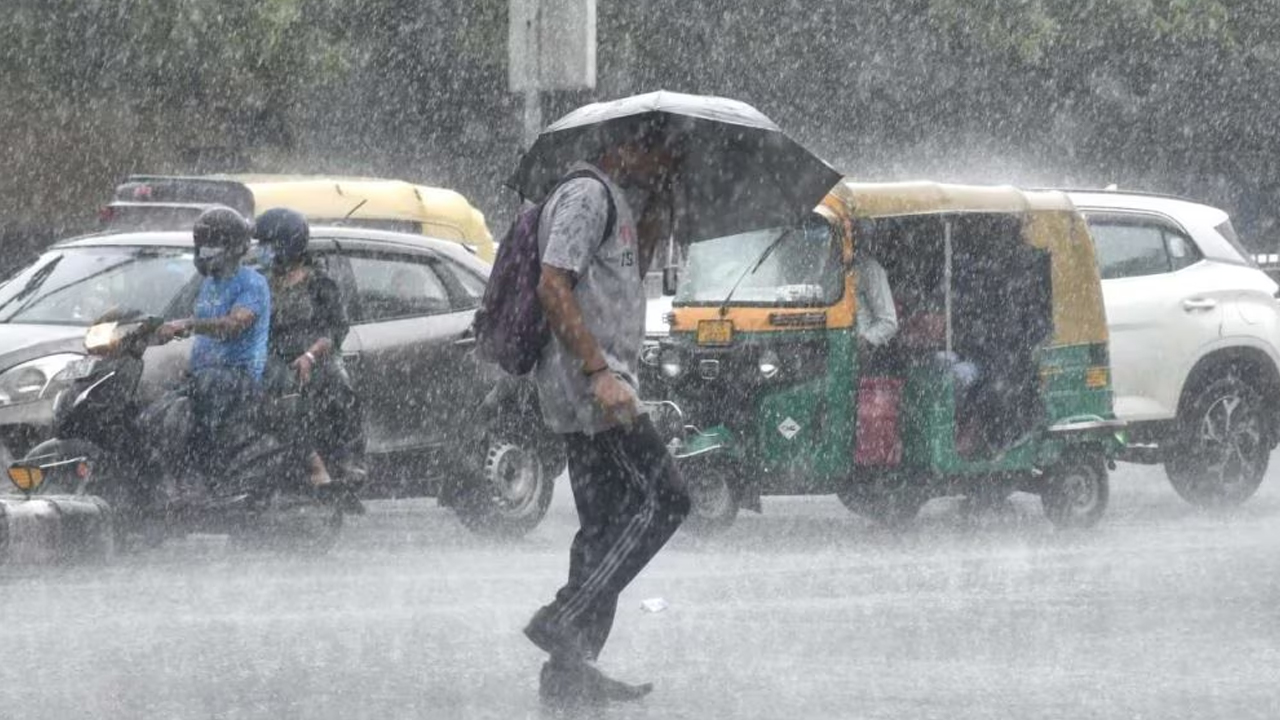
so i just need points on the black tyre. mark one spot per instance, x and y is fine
(513, 491)
(891, 503)
(1076, 491)
(713, 497)
(1222, 446)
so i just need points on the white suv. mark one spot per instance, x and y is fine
(1194, 332)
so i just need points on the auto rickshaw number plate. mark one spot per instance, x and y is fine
(715, 332)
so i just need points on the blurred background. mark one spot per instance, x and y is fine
(1163, 95)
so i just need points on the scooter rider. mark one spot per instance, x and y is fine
(231, 323)
(308, 325)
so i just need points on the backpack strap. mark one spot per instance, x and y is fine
(612, 220)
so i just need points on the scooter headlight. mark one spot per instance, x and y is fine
(671, 363)
(769, 364)
(27, 382)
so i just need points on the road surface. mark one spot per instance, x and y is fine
(1161, 612)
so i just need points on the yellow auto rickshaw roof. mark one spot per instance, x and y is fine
(897, 199)
(334, 197)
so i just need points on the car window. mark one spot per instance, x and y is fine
(1130, 249)
(75, 286)
(1182, 252)
(390, 287)
(468, 287)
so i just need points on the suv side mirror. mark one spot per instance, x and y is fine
(670, 278)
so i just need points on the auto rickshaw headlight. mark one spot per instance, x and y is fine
(671, 363)
(769, 364)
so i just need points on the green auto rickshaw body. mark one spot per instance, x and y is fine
(770, 381)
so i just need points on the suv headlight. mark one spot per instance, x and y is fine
(27, 382)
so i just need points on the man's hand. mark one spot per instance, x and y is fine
(303, 365)
(615, 397)
(173, 329)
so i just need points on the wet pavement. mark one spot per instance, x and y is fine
(1161, 612)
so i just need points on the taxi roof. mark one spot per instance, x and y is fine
(897, 199)
(326, 197)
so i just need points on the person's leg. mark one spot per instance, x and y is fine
(343, 443)
(597, 501)
(644, 502)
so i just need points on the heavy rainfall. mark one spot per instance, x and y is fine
(903, 358)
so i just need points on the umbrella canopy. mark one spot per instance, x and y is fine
(736, 169)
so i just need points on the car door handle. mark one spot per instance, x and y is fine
(1195, 304)
(350, 357)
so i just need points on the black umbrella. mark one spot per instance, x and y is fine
(737, 171)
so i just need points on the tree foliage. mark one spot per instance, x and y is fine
(1162, 94)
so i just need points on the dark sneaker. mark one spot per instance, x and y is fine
(568, 684)
(565, 685)
(603, 686)
(560, 644)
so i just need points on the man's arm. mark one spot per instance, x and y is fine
(576, 226)
(254, 299)
(884, 316)
(564, 316)
(228, 326)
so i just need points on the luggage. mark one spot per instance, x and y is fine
(46, 529)
(879, 440)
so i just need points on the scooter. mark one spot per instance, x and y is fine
(252, 485)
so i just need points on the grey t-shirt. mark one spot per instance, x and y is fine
(609, 290)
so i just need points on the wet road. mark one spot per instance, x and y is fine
(806, 612)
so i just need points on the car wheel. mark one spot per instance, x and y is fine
(1221, 450)
(1076, 491)
(513, 492)
(893, 503)
(713, 500)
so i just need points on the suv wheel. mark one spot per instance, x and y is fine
(1221, 448)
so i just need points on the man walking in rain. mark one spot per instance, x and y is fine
(629, 496)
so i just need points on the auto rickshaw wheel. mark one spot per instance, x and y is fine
(714, 501)
(891, 504)
(1221, 451)
(1076, 491)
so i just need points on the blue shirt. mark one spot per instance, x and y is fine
(218, 296)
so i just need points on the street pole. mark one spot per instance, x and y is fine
(532, 116)
(532, 94)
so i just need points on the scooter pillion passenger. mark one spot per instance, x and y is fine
(200, 458)
(308, 325)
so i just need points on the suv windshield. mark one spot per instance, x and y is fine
(74, 286)
(804, 269)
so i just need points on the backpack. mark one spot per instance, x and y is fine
(510, 327)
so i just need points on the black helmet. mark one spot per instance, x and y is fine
(221, 237)
(286, 232)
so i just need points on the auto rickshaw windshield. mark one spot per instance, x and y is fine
(804, 269)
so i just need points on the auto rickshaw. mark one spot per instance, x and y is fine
(996, 381)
